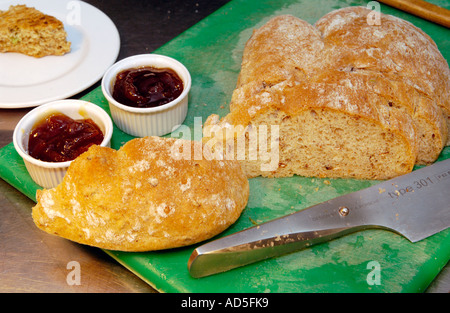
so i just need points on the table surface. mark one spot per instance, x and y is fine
(33, 261)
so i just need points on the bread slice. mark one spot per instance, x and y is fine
(144, 196)
(351, 137)
(28, 31)
(349, 99)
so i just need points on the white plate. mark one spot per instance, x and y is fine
(27, 81)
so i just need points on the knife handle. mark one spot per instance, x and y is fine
(422, 9)
(210, 259)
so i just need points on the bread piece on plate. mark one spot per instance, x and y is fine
(28, 31)
(144, 196)
(349, 99)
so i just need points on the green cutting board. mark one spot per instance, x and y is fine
(367, 261)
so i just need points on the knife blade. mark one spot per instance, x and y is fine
(415, 205)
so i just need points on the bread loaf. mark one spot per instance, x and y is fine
(349, 99)
(143, 197)
(31, 32)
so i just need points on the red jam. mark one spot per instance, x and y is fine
(147, 87)
(59, 138)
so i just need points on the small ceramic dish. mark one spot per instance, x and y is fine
(50, 174)
(153, 121)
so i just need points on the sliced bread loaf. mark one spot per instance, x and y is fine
(347, 99)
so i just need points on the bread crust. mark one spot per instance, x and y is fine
(28, 31)
(142, 198)
(392, 76)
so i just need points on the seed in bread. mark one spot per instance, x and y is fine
(142, 197)
(28, 31)
(351, 99)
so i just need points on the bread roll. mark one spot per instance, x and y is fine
(143, 197)
(350, 99)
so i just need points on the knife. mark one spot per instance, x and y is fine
(415, 205)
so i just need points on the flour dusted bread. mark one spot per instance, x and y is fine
(144, 196)
(349, 99)
(27, 30)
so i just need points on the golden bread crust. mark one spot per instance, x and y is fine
(141, 198)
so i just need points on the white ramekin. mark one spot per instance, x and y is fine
(141, 122)
(50, 174)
